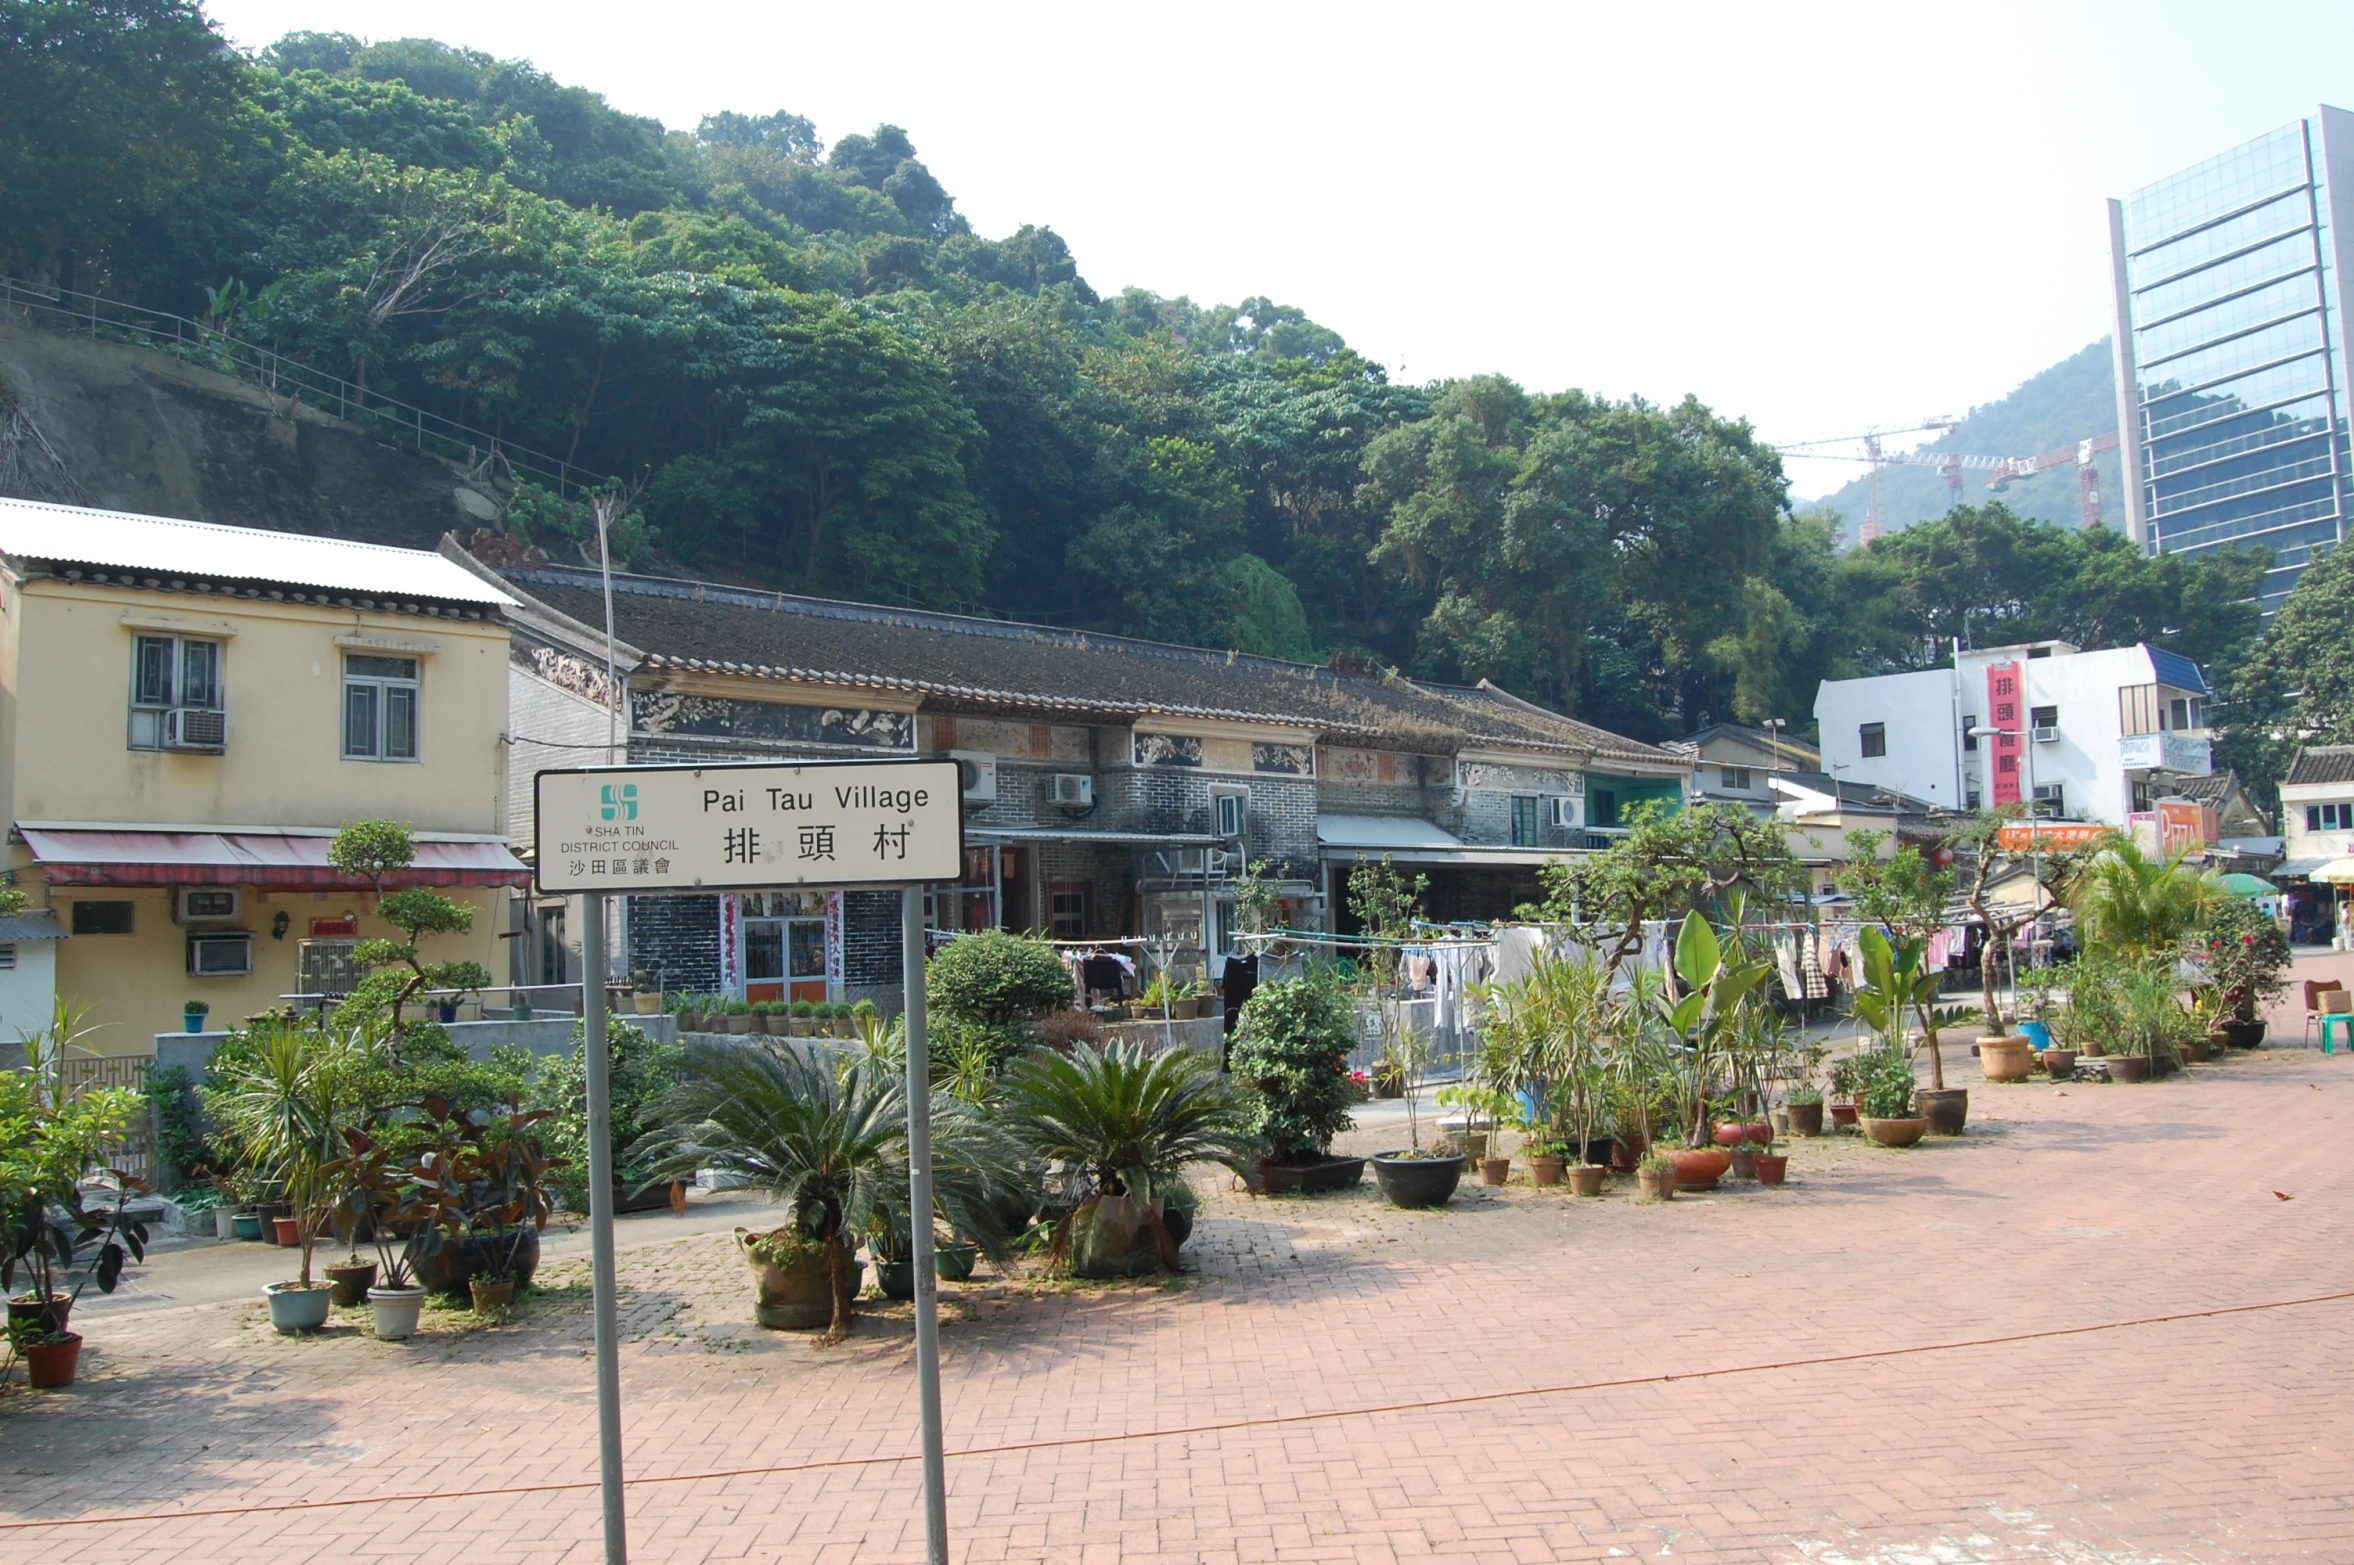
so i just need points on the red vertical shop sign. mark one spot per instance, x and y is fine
(2006, 712)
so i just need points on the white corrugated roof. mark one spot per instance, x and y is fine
(119, 540)
(1395, 832)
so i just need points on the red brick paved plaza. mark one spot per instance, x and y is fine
(1904, 1357)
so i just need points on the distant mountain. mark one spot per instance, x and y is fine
(2073, 400)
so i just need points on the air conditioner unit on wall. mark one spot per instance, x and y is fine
(227, 955)
(1074, 790)
(976, 772)
(196, 728)
(2047, 736)
(1569, 810)
(207, 904)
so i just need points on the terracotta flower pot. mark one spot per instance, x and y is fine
(1626, 1150)
(1772, 1167)
(2128, 1067)
(1699, 1168)
(2059, 1064)
(1494, 1170)
(1658, 1184)
(1475, 1145)
(50, 1366)
(1806, 1119)
(1744, 1161)
(1546, 1169)
(1895, 1132)
(1947, 1109)
(2006, 1059)
(50, 1317)
(351, 1281)
(1586, 1178)
(490, 1296)
(285, 1231)
(1843, 1116)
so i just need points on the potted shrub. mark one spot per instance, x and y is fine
(827, 1139)
(193, 1013)
(48, 1141)
(1577, 1021)
(1805, 1108)
(1290, 1054)
(283, 1100)
(1120, 1125)
(2246, 959)
(508, 1202)
(1847, 1091)
(1898, 981)
(1658, 1175)
(1888, 1114)
(1415, 1175)
(1704, 1022)
(1772, 1167)
(645, 993)
(407, 1215)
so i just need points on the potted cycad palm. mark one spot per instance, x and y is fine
(1117, 1126)
(825, 1135)
(284, 1100)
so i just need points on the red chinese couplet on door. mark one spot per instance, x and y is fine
(2005, 711)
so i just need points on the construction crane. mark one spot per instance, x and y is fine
(2006, 469)
(2088, 483)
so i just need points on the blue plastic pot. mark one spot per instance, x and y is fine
(295, 1308)
(194, 1020)
(2037, 1034)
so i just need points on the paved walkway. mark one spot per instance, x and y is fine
(2093, 1330)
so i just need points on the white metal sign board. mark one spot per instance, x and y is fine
(722, 828)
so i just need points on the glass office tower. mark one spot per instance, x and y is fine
(2231, 360)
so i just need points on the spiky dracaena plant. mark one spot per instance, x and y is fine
(1123, 1121)
(827, 1137)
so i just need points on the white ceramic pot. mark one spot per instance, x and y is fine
(224, 1222)
(396, 1311)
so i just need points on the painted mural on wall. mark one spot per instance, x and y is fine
(1485, 777)
(773, 722)
(1372, 766)
(1018, 741)
(1168, 749)
(1285, 760)
(565, 672)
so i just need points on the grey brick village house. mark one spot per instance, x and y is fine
(1113, 787)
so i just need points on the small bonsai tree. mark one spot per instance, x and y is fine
(1291, 1050)
(371, 851)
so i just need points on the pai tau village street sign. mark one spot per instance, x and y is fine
(745, 827)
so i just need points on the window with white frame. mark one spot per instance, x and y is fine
(379, 708)
(169, 672)
(1735, 777)
(2329, 817)
(1230, 811)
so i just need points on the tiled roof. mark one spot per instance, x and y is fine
(2322, 763)
(67, 536)
(1764, 739)
(2210, 789)
(960, 663)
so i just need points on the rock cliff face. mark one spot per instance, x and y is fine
(123, 428)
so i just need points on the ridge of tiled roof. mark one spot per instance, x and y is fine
(2322, 763)
(707, 627)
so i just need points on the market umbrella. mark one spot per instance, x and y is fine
(2337, 872)
(2252, 886)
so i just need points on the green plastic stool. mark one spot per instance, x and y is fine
(2331, 1019)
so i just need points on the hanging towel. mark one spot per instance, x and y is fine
(1818, 986)
(1517, 949)
(1786, 963)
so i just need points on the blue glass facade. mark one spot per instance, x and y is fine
(2232, 321)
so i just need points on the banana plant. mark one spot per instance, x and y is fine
(1715, 984)
(1898, 979)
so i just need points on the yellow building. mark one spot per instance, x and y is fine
(188, 713)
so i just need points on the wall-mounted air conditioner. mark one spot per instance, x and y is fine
(200, 728)
(976, 772)
(206, 904)
(1569, 810)
(1074, 790)
(227, 955)
(2047, 735)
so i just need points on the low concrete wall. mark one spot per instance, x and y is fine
(541, 1035)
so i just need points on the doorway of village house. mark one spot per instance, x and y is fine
(785, 946)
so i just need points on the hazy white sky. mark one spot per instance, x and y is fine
(1821, 218)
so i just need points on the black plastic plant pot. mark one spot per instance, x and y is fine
(1417, 1181)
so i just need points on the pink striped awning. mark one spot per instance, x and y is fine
(229, 858)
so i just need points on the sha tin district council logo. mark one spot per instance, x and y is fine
(619, 804)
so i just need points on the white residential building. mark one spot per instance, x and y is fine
(2095, 736)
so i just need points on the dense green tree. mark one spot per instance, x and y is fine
(113, 109)
(2296, 686)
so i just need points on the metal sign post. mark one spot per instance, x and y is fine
(746, 827)
(919, 1207)
(600, 1141)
